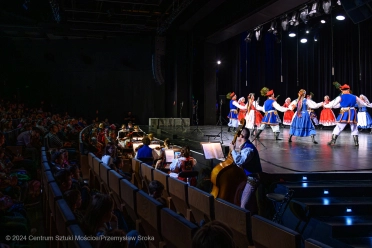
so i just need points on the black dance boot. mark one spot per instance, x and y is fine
(290, 138)
(229, 129)
(313, 139)
(257, 136)
(333, 141)
(277, 136)
(356, 141)
(234, 129)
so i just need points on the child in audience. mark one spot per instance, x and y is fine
(214, 234)
(63, 179)
(74, 200)
(156, 191)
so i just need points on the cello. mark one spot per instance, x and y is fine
(227, 176)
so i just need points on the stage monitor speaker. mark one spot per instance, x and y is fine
(222, 98)
(358, 10)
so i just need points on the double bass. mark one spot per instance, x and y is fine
(227, 176)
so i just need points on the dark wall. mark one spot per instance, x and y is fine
(111, 76)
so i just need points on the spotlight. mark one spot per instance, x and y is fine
(327, 6)
(258, 33)
(314, 9)
(248, 39)
(303, 40)
(272, 27)
(340, 17)
(307, 31)
(294, 19)
(322, 21)
(292, 34)
(285, 23)
(304, 15)
(218, 62)
(338, 2)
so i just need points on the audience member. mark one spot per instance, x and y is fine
(214, 234)
(63, 179)
(74, 200)
(156, 191)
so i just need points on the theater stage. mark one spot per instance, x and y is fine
(281, 157)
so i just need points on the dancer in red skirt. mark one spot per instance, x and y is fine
(327, 117)
(288, 116)
(242, 112)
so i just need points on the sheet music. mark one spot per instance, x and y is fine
(135, 145)
(169, 155)
(153, 146)
(212, 150)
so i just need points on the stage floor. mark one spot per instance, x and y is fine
(282, 157)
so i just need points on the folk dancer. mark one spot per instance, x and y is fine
(327, 117)
(347, 115)
(288, 115)
(271, 115)
(311, 111)
(301, 124)
(242, 112)
(233, 114)
(364, 119)
(253, 117)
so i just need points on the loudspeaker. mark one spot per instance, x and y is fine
(158, 60)
(358, 10)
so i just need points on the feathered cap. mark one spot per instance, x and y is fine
(266, 92)
(230, 95)
(337, 85)
(345, 87)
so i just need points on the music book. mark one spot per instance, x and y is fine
(212, 150)
(135, 145)
(169, 155)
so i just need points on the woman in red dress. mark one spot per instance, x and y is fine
(242, 112)
(288, 115)
(327, 117)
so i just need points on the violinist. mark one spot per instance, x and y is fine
(249, 160)
(159, 155)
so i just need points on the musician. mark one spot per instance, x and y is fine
(145, 151)
(249, 160)
(184, 163)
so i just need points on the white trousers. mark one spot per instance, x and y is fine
(340, 126)
(275, 128)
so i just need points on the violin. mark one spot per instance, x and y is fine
(227, 176)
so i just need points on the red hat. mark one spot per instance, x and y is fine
(270, 92)
(232, 94)
(345, 87)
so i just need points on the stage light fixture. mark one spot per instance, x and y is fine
(218, 62)
(327, 6)
(272, 27)
(322, 21)
(340, 17)
(258, 33)
(304, 15)
(314, 9)
(292, 34)
(294, 19)
(307, 31)
(338, 2)
(303, 40)
(285, 23)
(248, 39)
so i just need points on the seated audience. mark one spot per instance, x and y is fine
(74, 200)
(214, 234)
(63, 179)
(156, 191)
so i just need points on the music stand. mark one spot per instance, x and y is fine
(197, 120)
(212, 150)
(220, 122)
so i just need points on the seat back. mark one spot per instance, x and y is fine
(103, 173)
(312, 243)
(54, 194)
(201, 204)
(176, 230)
(148, 209)
(178, 192)
(90, 159)
(163, 178)
(84, 166)
(136, 179)
(146, 176)
(78, 240)
(96, 167)
(267, 233)
(128, 195)
(114, 181)
(238, 219)
(64, 217)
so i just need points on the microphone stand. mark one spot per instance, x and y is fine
(220, 122)
(182, 123)
(197, 120)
